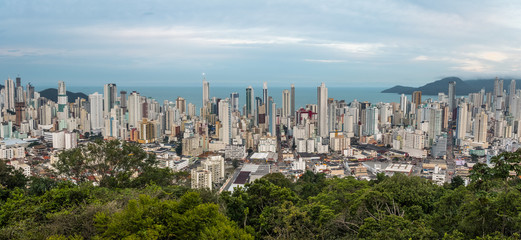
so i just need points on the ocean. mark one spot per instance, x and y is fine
(303, 95)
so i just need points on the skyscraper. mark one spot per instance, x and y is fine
(435, 123)
(225, 119)
(403, 104)
(63, 111)
(273, 123)
(250, 100)
(9, 99)
(265, 96)
(286, 103)
(461, 127)
(110, 92)
(511, 94)
(292, 100)
(452, 96)
(180, 103)
(322, 110)
(417, 98)
(123, 100)
(134, 109)
(371, 121)
(206, 93)
(480, 127)
(234, 97)
(96, 110)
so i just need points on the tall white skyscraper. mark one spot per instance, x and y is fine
(96, 110)
(9, 99)
(286, 103)
(403, 104)
(110, 92)
(322, 110)
(206, 93)
(225, 118)
(63, 110)
(134, 109)
(461, 127)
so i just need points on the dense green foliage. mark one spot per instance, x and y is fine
(274, 207)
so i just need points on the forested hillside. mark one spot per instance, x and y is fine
(273, 207)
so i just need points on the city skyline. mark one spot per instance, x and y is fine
(379, 43)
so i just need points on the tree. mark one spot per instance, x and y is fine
(235, 163)
(11, 178)
(456, 182)
(152, 218)
(113, 161)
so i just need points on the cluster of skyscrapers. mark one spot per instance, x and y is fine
(416, 126)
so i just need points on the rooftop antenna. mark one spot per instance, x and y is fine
(204, 76)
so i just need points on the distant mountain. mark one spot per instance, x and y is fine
(52, 94)
(442, 85)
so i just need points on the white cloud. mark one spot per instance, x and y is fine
(491, 56)
(421, 58)
(325, 60)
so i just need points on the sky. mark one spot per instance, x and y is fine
(238, 43)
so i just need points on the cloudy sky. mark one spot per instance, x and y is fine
(341, 43)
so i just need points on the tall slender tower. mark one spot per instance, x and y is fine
(96, 110)
(480, 127)
(250, 100)
(417, 98)
(9, 99)
(452, 97)
(63, 111)
(292, 100)
(322, 110)
(265, 95)
(110, 92)
(123, 100)
(461, 127)
(403, 104)
(206, 92)
(134, 109)
(234, 97)
(225, 118)
(286, 103)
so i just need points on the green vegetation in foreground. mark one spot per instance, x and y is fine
(273, 207)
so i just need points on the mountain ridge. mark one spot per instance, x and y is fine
(463, 87)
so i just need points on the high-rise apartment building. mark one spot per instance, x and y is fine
(292, 108)
(250, 101)
(9, 98)
(234, 98)
(403, 104)
(134, 109)
(461, 127)
(322, 110)
(480, 127)
(206, 93)
(96, 111)
(63, 110)
(452, 96)
(286, 103)
(225, 118)
(110, 93)
(417, 98)
(180, 103)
